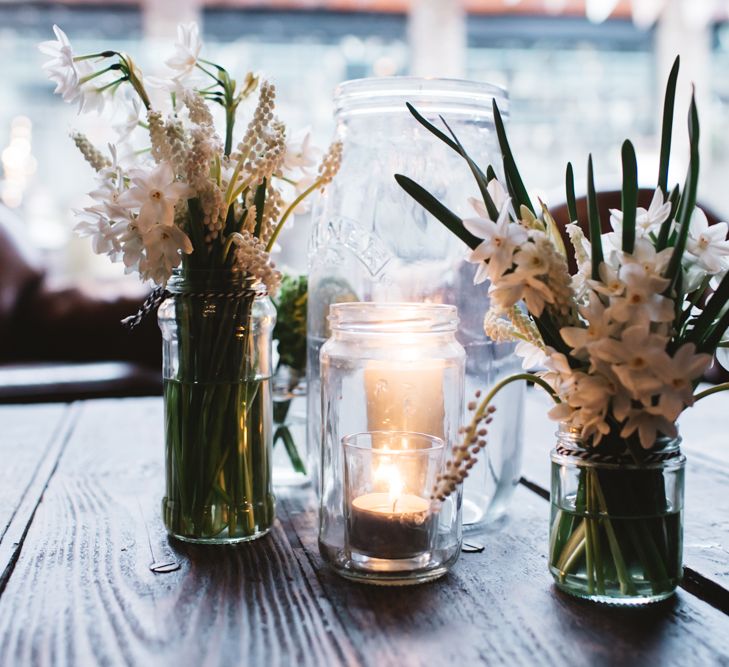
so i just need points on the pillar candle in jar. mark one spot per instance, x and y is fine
(405, 396)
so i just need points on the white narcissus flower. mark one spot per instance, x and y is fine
(154, 194)
(500, 239)
(130, 123)
(187, 50)
(708, 243)
(163, 248)
(301, 153)
(61, 68)
(641, 302)
(532, 356)
(648, 425)
(634, 360)
(104, 235)
(599, 326)
(678, 374)
(646, 221)
(520, 286)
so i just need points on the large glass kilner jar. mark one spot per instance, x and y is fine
(216, 329)
(392, 404)
(373, 242)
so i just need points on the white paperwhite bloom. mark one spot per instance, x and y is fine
(678, 374)
(90, 97)
(500, 239)
(520, 286)
(61, 68)
(599, 327)
(106, 196)
(708, 243)
(132, 245)
(187, 50)
(609, 283)
(634, 359)
(532, 356)
(648, 425)
(641, 301)
(163, 248)
(300, 153)
(644, 253)
(130, 122)
(646, 221)
(104, 237)
(154, 193)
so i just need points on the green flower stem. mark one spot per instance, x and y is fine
(711, 390)
(626, 582)
(289, 210)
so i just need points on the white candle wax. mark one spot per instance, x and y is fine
(405, 396)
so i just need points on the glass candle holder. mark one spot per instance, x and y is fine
(388, 369)
(390, 518)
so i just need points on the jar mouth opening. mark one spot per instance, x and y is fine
(389, 95)
(370, 317)
(205, 280)
(421, 442)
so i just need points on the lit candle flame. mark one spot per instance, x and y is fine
(389, 475)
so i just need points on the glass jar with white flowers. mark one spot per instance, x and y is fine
(621, 346)
(197, 215)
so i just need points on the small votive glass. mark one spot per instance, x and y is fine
(391, 522)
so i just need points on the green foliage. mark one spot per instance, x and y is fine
(290, 330)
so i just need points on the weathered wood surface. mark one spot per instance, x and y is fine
(706, 525)
(31, 438)
(82, 593)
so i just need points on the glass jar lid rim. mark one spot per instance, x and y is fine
(436, 443)
(375, 92)
(393, 317)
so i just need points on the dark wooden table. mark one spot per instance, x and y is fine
(80, 487)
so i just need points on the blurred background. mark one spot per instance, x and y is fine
(582, 76)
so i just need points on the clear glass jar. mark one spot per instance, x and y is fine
(372, 242)
(616, 529)
(389, 369)
(216, 331)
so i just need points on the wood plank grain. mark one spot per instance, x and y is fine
(500, 607)
(706, 523)
(31, 440)
(82, 592)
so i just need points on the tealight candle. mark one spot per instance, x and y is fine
(389, 514)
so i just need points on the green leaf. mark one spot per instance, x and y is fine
(703, 326)
(665, 232)
(570, 188)
(477, 174)
(432, 128)
(441, 212)
(260, 201)
(711, 342)
(481, 180)
(667, 128)
(593, 216)
(630, 196)
(490, 174)
(513, 179)
(688, 199)
(284, 434)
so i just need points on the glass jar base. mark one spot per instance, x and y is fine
(616, 601)
(391, 572)
(220, 540)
